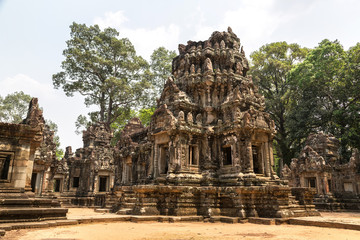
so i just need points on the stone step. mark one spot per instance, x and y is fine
(27, 213)
(130, 200)
(124, 211)
(102, 210)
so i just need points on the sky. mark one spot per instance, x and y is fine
(33, 35)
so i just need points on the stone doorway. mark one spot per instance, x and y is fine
(57, 185)
(33, 182)
(311, 182)
(103, 184)
(4, 166)
(164, 159)
(257, 160)
(227, 157)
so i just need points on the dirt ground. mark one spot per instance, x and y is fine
(193, 230)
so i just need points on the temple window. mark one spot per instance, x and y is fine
(348, 187)
(227, 158)
(192, 156)
(76, 181)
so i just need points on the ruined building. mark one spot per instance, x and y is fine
(44, 162)
(18, 144)
(208, 149)
(318, 166)
(85, 176)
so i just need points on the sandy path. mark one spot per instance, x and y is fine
(194, 231)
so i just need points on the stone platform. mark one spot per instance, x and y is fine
(272, 201)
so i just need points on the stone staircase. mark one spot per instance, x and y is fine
(128, 201)
(301, 210)
(337, 203)
(17, 206)
(105, 203)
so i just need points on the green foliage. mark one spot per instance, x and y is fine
(270, 66)
(160, 65)
(106, 70)
(145, 115)
(326, 94)
(14, 107)
(53, 127)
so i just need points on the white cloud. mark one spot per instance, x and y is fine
(144, 40)
(111, 19)
(254, 22)
(28, 85)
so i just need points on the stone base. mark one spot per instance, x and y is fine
(17, 206)
(233, 201)
(337, 203)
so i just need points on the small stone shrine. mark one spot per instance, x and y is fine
(208, 149)
(84, 177)
(318, 166)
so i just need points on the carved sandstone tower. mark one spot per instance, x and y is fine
(208, 149)
(211, 121)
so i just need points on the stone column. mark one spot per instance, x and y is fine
(326, 185)
(266, 159)
(249, 156)
(156, 163)
(271, 157)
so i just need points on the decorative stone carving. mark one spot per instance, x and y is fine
(181, 116)
(190, 118)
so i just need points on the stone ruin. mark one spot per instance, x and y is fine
(318, 166)
(44, 162)
(83, 177)
(18, 146)
(208, 149)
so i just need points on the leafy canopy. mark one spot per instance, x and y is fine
(160, 66)
(327, 94)
(270, 66)
(14, 107)
(105, 69)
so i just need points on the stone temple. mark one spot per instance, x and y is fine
(208, 149)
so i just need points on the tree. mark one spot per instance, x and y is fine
(53, 127)
(160, 65)
(14, 107)
(105, 69)
(270, 66)
(327, 94)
